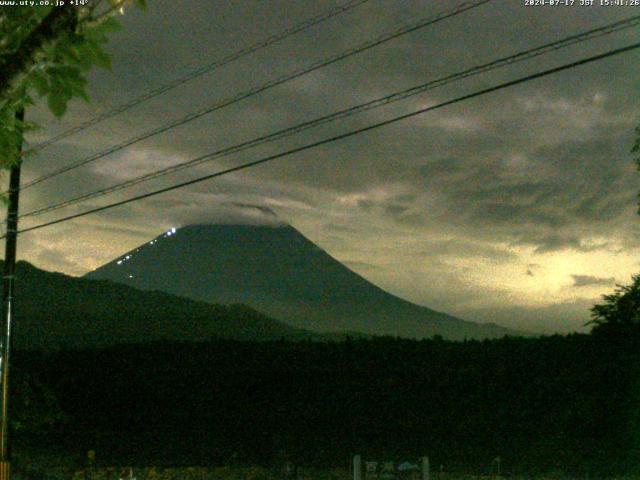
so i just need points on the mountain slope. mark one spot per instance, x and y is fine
(276, 270)
(53, 310)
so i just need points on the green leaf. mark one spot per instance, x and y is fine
(102, 59)
(110, 24)
(86, 54)
(75, 82)
(106, 26)
(636, 145)
(29, 126)
(28, 101)
(141, 4)
(83, 95)
(57, 99)
(40, 83)
(57, 104)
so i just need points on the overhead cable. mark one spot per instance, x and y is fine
(461, 8)
(232, 57)
(376, 103)
(335, 138)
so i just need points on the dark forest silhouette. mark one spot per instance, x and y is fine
(549, 404)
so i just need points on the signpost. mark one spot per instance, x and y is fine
(387, 470)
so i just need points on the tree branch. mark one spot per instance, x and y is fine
(59, 20)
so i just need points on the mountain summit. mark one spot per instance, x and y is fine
(277, 271)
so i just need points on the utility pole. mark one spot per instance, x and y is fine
(7, 305)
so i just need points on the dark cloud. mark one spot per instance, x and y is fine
(552, 242)
(542, 198)
(532, 268)
(467, 249)
(366, 205)
(394, 206)
(396, 210)
(589, 280)
(439, 169)
(266, 211)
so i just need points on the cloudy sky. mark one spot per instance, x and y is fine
(517, 207)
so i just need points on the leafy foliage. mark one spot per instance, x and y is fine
(564, 404)
(56, 70)
(620, 310)
(636, 150)
(35, 409)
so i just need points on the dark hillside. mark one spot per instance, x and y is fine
(58, 311)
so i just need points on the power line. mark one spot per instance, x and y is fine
(463, 7)
(305, 25)
(385, 100)
(342, 136)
